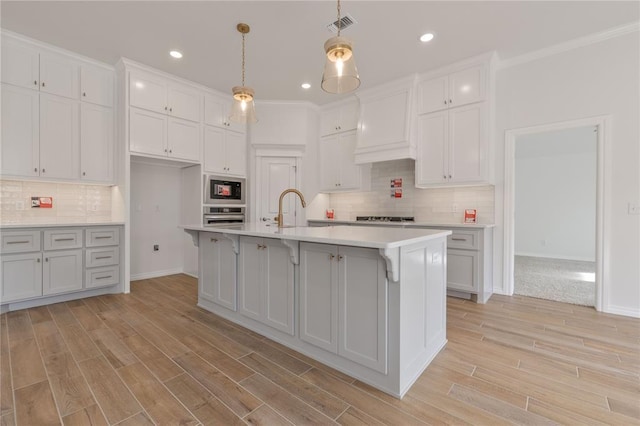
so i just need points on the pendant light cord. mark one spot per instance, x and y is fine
(243, 59)
(339, 20)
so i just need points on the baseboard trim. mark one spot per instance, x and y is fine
(191, 275)
(620, 310)
(559, 257)
(156, 274)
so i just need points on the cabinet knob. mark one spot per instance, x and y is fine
(170, 109)
(450, 101)
(340, 257)
(166, 108)
(444, 177)
(84, 173)
(449, 176)
(43, 170)
(46, 259)
(170, 151)
(84, 94)
(165, 150)
(43, 84)
(445, 101)
(35, 169)
(214, 240)
(35, 82)
(38, 260)
(331, 256)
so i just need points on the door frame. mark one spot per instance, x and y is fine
(603, 191)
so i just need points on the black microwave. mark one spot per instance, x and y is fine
(224, 190)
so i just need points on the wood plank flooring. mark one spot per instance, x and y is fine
(153, 357)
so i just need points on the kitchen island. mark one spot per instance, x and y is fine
(370, 302)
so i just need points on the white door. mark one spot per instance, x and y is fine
(433, 95)
(251, 277)
(20, 64)
(214, 150)
(432, 155)
(62, 271)
(20, 131)
(184, 102)
(59, 76)
(329, 163)
(96, 85)
(59, 137)
(147, 132)
(466, 86)
(236, 153)
(96, 143)
(148, 92)
(183, 139)
(21, 276)
(218, 280)
(467, 152)
(277, 291)
(349, 171)
(276, 174)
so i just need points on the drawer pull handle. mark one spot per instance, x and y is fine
(64, 239)
(104, 278)
(17, 242)
(103, 237)
(214, 240)
(458, 239)
(103, 257)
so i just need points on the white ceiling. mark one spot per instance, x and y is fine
(285, 46)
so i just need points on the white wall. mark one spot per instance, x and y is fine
(555, 194)
(155, 216)
(595, 80)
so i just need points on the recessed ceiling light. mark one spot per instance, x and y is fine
(175, 54)
(305, 85)
(426, 37)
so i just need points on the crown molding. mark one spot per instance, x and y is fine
(569, 45)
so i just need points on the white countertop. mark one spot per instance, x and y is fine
(57, 225)
(357, 236)
(403, 224)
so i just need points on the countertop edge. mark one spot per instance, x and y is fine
(406, 224)
(58, 225)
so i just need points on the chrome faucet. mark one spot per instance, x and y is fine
(279, 218)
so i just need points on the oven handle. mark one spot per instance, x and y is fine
(224, 217)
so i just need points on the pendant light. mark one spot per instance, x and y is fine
(340, 72)
(243, 109)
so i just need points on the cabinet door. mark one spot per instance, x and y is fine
(184, 102)
(433, 95)
(329, 121)
(385, 120)
(250, 277)
(329, 158)
(467, 152)
(20, 65)
(148, 92)
(96, 143)
(236, 153)
(216, 113)
(183, 139)
(349, 171)
(277, 286)
(362, 306)
(432, 156)
(96, 85)
(319, 295)
(147, 132)
(466, 86)
(20, 131)
(21, 276)
(349, 116)
(218, 281)
(214, 150)
(59, 137)
(59, 75)
(62, 271)
(462, 270)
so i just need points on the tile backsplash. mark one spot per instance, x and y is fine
(72, 203)
(427, 205)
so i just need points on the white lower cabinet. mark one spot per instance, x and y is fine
(462, 270)
(265, 282)
(343, 302)
(62, 271)
(219, 265)
(21, 276)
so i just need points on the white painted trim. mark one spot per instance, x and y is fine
(191, 275)
(603, 189)
(156, 274)
(555, 256)
(569, 45)
(618, 310)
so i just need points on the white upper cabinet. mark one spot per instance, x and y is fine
(20, 132)
(283, 123)
(96, 143)
(385, 119)
(59, 137)
(338, 172)
(339, 118)
(160, 95)
(96, 85)
(225, 152)
(183, 139)
(20, 64)
(216, 113)
(59, 75)
(452, 90)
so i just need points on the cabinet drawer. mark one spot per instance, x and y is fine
(102, 277)
(107, 236)
(62, 239)
(464, 239)
(101, 257)
(20, 241)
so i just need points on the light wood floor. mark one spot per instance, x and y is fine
(153, 357)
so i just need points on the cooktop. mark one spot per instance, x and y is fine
(384, 218)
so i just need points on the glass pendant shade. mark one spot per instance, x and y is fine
(243, 109)
(340, 72)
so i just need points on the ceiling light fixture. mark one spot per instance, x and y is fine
(426, 37)
(175, 54)
(243, 109)
(305, 85)
(340, 72)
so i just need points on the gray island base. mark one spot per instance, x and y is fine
(369, 302)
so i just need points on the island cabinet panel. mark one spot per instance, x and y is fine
(219, 264)
(265, 282)
(343, 302)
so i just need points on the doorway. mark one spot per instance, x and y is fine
(275, 174)
(555, 215)
(602, 125)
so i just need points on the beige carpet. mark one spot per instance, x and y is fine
(567, 281)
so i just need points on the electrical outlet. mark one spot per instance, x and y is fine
(156, 247)
(634, 208)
